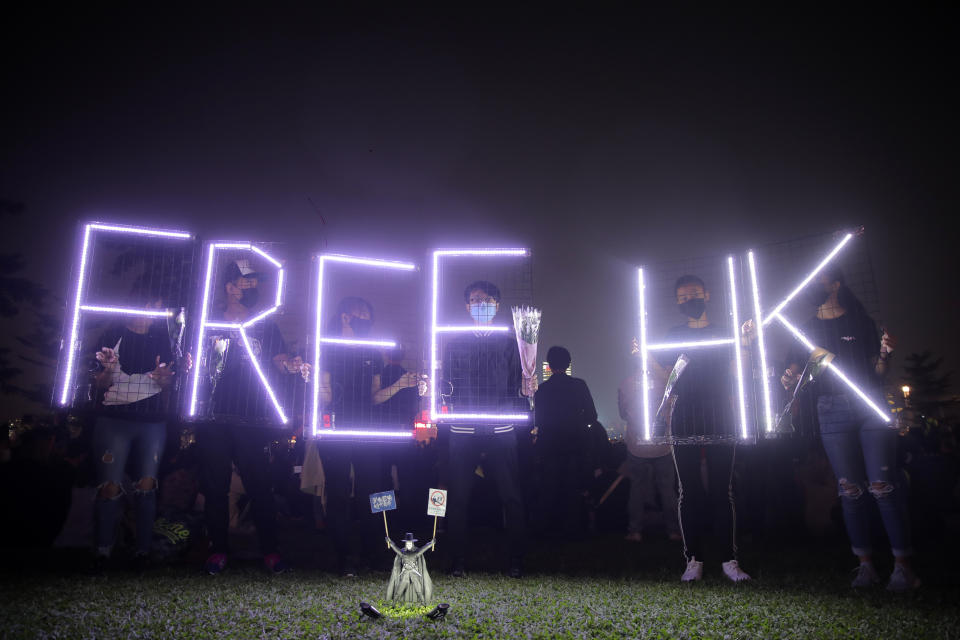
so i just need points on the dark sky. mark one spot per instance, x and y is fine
(600, 139)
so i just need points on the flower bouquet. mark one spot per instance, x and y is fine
(816, 364)
(526, 322)
(662, 416)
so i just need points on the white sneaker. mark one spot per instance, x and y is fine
(732, 570)
(866, 576)
(694, 571)
(902, 579)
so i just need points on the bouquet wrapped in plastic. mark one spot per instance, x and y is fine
(660, 421)
(816, 364)
(526, 322)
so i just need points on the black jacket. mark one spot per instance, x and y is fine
(564, 408)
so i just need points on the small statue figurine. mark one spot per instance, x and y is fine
(409, 580)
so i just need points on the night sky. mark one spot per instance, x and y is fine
(599, 139)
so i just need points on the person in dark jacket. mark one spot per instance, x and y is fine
(564, 413)
(135, 369)
(483, 369)
(241, 418)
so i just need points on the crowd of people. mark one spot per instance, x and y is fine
(551, 473)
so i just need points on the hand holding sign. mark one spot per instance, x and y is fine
(437, 503)
(436, 507)
(382, 502)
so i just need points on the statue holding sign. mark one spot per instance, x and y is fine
(410, 581)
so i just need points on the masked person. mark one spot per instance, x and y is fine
(861, 448)
(351, 388)
(241, 420)
(135, 369)
(703, 412)
(415, 460)
(483, 370)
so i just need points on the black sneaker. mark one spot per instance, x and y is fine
(516, 569)
(458, 570)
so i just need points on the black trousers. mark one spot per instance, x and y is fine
(220, 445)
(562, 503)
(361, 538)
(500, 466)
(707, 514)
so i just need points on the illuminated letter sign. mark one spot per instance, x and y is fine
(240, 327)
(82, 305)
(436, 329)
(646, 347)
(320, 339)
(777, 315)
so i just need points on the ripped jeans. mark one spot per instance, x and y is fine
(863, 453)
(113, 442)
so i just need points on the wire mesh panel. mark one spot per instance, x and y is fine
(368, 347)
(245, 373)
(695, 387)
(476, 373)
(124, 332)
(820, 301)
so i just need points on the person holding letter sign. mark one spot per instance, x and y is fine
(135, 369)
(483, 368)
(241, 419)
(703, 410)
(862, 450)
(352, 391)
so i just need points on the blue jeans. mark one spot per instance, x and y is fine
(113, 442)
(863, 453)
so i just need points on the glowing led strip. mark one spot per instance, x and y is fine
(833, 367)
(78, 305)
(123, 311)
(364, 433)
(776, 314)
(320, 339)
(370, 262)
(204, 323)
(646, 348)
(359, 342)
(644, 356)
(183, 235)
(260, 316)
(668, 346)
(263, 378)
(737, 348)
(823, 263)
(761, 344)
(436, 329)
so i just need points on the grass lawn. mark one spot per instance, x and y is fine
(617, 590)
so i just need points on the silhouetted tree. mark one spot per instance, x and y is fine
(40, 346)
(928, 387)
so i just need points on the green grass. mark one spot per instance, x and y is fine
(635, 595)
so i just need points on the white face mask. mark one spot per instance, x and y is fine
(483, 312)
